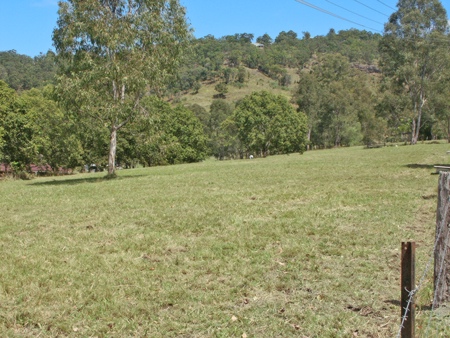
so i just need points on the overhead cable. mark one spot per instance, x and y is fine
(373, 9)
(381, 2)
(303, 2)
(346, 9)
(440, 40)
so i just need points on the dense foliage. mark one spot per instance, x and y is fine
(267, 124)
(163, 135)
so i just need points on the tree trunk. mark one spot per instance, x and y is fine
(112, 151)
(417, 124)
(309, 138)
(413, 132)
(448, 129)
(442, 253)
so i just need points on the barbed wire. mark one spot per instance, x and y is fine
(407, 310)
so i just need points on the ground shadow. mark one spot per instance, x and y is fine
(393, 302)
(423, 166)
(83, 180)
(428, 307)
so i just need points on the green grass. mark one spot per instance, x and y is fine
(300, 245)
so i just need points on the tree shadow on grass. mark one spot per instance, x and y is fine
(76, 181)
(426, 166)
(422, 166)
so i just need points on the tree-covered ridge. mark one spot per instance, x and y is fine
(224, 58)
(22, 72)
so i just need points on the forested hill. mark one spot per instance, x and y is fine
(213, 58)
(222, 59)
(22, 72)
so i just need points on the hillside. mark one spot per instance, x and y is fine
(257, 81)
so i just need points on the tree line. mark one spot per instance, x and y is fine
(103, 96)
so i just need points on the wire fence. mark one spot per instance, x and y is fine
(434, 323)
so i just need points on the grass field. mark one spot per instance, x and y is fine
(286, 246)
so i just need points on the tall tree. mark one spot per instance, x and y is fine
(337, 100)
(219, 111)
(112, 52)
(413, 54)
(309, 99)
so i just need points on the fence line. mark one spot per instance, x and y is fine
(412, 293)
(441, 268)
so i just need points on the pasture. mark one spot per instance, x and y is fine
(300, 245)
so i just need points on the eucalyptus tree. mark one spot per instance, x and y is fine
(331, 94)
(309, 99)
(414, 54)
(112, 52)
(219, 111)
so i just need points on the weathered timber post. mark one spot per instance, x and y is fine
(408, 288)
(442, 252)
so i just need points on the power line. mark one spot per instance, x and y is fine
(334, 14)
(381, 2)
(373, 9)
(439, 40)
(346, 9)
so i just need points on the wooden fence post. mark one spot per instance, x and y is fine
(442, 252)
(408, 286)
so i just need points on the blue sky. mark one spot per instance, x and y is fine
(27, 25)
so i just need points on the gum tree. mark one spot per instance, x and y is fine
(414, 54)
(112, 52)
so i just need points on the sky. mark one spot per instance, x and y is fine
(27, 25)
